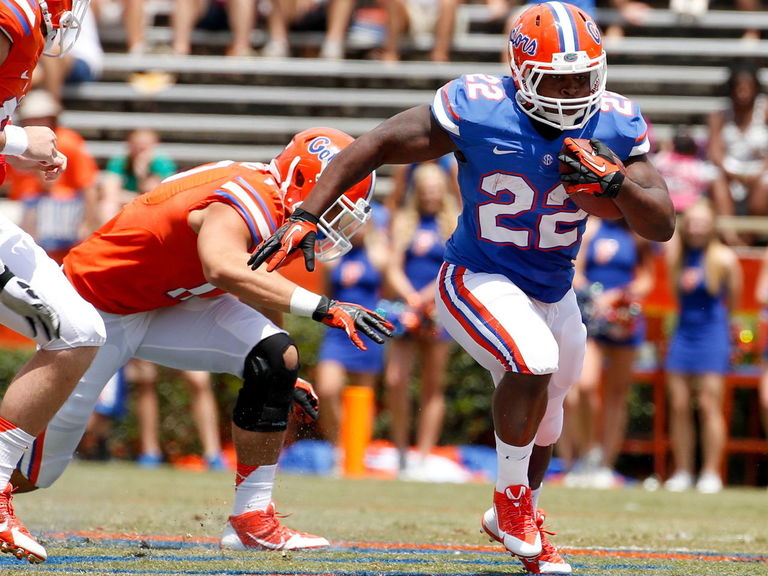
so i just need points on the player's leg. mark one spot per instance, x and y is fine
(223, 335)
(508, 334)
(566, 325)
(48, 378)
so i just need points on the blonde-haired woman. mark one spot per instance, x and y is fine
(708, 281)
(419, 232)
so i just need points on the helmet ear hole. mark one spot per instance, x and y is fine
(299, 179)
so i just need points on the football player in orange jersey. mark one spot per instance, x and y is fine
(35, 298)
(168, 276)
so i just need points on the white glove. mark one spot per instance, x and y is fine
(19, 297)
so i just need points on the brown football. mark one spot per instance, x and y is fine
(596, 205)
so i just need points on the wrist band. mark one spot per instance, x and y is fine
(16, 141)
(304, 302)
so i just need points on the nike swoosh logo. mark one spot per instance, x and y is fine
(266, 543)
(497, 150)
(598, 167)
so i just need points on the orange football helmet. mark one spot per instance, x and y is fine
(557, 38)
(297, 169)
(62, 20)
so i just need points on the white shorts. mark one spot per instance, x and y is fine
(81, 324)
(210, 334)
(505, 330)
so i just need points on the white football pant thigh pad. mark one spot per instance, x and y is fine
(81, 324)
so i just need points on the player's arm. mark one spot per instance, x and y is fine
(223, 240)
(636, 186)
(411, 136)
(644, 200)
(408, 137)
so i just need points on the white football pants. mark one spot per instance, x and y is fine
(210, 334)
(504, 330)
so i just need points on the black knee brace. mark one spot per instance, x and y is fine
(264, 401)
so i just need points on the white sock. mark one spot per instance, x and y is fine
(512, 463)
(253, 488)
(535, 496)
(13, 442)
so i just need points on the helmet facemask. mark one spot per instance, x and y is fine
(560, 113)
(62, 22)
(298, 168)
(557, 39)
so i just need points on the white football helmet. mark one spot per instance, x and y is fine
(299, 166)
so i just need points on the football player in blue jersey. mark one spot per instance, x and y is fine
(504, 292)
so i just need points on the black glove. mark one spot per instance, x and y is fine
(19, 297)
(351, 318)
(306, 404)
(299, 231)
(597, 171)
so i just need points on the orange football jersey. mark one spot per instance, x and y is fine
(146, 256)
(19, 23)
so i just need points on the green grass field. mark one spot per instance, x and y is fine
(115, 519)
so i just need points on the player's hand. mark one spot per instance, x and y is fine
(597, 171)
(18, 296)
(306, 404)
(300, 231)
(42, 144)
(351, 318)
(52, 170)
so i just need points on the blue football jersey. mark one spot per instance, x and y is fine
(517, 219)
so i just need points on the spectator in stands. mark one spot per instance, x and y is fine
(239, 16)
(418, 18)
(56, 213)
(84, 63)
(137, 171)
(690, 177)
(761, 296)
(706, 277)
(355, 277)
(332, 15)
(629, 12)
(750, 34)
(614, 274)
(419, 233)
(738, 141)
(143, 376)
(402, 181)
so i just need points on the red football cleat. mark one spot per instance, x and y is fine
(14, 537)
(548, 562)
(261, 530)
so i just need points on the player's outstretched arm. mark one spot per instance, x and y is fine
(222, 245)
(411, 136)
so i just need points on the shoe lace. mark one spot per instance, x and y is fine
(6, 507)
(513, 515)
